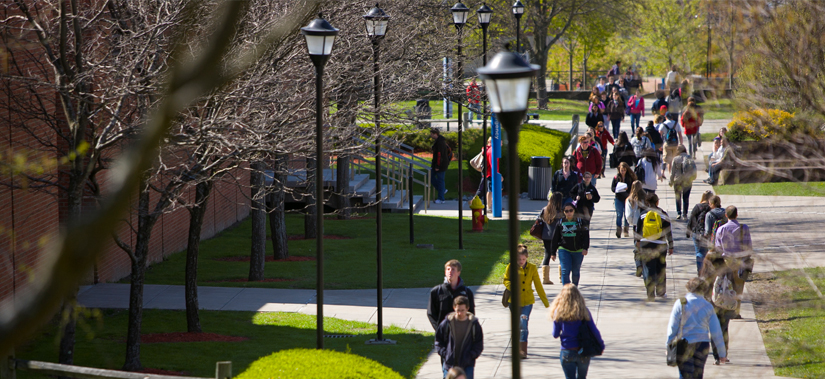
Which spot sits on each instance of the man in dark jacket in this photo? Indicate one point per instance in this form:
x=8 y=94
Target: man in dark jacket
x=585 y=195
x=655 y=243
x=442 y=295
x=660 y=101
x=441 y=161
x=459 y=339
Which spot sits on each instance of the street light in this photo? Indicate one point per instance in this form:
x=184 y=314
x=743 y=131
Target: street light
x=376 y=22
x=460 y=12
x=484 y=15
x=320 y=36
x=507 y=78
x=518 y=10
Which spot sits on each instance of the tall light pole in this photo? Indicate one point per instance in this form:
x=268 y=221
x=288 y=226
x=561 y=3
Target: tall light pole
x=507 y=78
x=320 y=36
x=518 y=10
x=707 y=67
x=484 y=15
x=460 y=12
x=376 y=23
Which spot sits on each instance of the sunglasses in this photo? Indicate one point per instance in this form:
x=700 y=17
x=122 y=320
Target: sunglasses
x=568 y=211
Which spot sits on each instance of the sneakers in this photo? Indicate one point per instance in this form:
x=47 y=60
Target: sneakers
x=439 y=201
x=679 y=217
x=716 y=362
x=664 y=296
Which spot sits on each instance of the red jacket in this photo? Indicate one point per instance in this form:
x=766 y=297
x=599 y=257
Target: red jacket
x=692 y=122
x=592 y=163
x=604 y=138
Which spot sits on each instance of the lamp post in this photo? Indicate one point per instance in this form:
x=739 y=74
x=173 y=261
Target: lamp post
x=320 y=36
x=507 y=78
x=518 y=10
x=460 y=12
x=484 y=15
x=376 y=25
x=707 y=63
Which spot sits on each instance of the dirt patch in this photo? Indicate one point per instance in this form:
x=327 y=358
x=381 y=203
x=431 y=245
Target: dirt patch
x=268 y=280
x=269 y=258
x=295 y=237
x=187 y=337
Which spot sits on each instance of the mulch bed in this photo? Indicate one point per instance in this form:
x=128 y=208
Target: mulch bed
x=269 y=258
x=186 y=337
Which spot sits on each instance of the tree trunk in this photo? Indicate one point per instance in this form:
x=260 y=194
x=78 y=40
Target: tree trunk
x=74 y=196
x=342 y=184
x=137 y=278
x=570 y=85
x=275 y=208
x=311 y=212
x=258 y=214
x=541 y=80
x=196 y=213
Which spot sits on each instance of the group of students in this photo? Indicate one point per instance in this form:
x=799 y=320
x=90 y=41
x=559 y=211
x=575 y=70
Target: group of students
x=459 y=338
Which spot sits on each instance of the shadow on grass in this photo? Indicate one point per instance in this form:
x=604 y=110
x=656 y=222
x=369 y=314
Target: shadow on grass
x=101 y=343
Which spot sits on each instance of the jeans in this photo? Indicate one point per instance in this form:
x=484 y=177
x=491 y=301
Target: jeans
x=574 y=365
x=525 y=318
x=724 y=317
x=438 y=183
x=694 y=367
x=617 y=125
x=654 y=258
x=619 y=204
x=682 y=199
x=701 y=250
x=693 y=143
x=570 y=261
x=468 y=371
x=635 y=118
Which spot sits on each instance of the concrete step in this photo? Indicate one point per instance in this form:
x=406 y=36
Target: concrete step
x=357 y=181
x=418 y=202
x=366 y=190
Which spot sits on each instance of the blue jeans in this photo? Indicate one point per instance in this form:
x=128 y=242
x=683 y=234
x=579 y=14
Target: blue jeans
x=438 y=183
x=525 y=318
x=619 y=204
x=713 y=173
x=570 y=261
x=701 y=250
x=635 y=118
x=654 y=258
x=694 y=367
x=693 y=144
x=468 y=372
x=617 y=125
x=574 y=365
x=682 y=195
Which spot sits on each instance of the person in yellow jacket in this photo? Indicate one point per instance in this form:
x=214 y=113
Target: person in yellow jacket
x=529 y=275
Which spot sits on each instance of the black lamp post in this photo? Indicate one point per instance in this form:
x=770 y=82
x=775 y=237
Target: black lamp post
x=376 y=22
x=460 y=12
x=507 y=78
x=518 y=10
x=484 y=15
x=320 y=36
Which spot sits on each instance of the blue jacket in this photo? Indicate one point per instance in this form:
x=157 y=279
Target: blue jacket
x=569 y=332
x=701 y=320
x=473 y=343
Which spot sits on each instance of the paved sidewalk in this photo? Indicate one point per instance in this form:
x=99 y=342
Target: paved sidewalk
x=634 y=331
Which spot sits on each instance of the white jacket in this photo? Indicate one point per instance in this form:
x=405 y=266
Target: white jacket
x=652 y=175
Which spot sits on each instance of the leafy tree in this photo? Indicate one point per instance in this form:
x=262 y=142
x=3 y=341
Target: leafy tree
x=667 y=32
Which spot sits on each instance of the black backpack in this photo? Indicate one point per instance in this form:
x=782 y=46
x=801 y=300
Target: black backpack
x=654 y=136
x=699 y=228
x=639 y=171
x=593 y=118
x=671 y=136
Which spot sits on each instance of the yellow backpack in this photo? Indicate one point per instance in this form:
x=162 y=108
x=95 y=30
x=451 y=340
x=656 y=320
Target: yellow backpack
x=652 y=226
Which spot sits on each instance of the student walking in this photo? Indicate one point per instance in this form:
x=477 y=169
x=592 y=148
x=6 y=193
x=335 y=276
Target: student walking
x=696 y=228
x=459 y=339
x=624 y=151
x=692 y=119
x=442 y=295
x=635 y=206
x=528 y=275
x=569 y=313
x=655 y=244
x=550 y=215
x=441 y=161
x=621 y=187
x=650 y=166
x=733 y=241
x=602 y=138
x=616 y=112
x=654 y=136
x=717 y=269
x=636 y=103
x=682 y=176
x=586 y=196
x=640 y=142
x=571 y=239
x=671 y=133
x=587 y=158
x=693 y=319
x=564 y=180
x=660 y=102
x=715 y=218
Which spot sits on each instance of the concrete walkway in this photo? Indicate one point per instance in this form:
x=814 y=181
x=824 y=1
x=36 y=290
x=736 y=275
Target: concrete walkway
x=634 y=331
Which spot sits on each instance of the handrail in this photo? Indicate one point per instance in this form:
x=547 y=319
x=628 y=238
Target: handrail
x=57 y=369
x=574 y=134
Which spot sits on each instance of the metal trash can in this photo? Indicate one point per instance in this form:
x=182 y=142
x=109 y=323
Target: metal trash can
x=539 y=176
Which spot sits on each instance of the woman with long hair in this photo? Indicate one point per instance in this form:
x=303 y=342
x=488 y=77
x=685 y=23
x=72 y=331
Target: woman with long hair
x=587 y=157
x=529 y=277
x=640 y=142
x=550 y=214
x=692 y=118
x=623 y=150
x=696 y=228
x=634 y=205
x=652 y=166
x=602 y=138
x=564 y=180
x=700 y=327
x=625 y=176
x=572 y=239
x=569 y=313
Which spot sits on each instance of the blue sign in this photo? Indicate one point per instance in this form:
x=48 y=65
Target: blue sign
x=495 y=133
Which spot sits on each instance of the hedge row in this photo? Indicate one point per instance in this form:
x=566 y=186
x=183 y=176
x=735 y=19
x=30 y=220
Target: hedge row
x=312 y=363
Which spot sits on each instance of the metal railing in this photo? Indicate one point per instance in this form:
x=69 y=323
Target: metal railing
x=223 y=370
x=399 y=164
x=574 y=134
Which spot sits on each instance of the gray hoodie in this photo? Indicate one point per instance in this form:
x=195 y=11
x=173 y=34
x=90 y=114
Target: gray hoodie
x=711 y=217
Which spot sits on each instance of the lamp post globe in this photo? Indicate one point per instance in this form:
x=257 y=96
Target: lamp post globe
x=518 y=9
x=507 y=78
x=460 y=12
x=376 y=22
x=319 y=36
x=484 y=15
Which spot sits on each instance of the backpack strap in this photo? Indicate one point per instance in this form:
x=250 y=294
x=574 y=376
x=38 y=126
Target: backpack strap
x=683 y=300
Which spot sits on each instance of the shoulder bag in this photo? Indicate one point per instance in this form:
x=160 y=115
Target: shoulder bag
x=677 y=349
x=537 y=228
x=478 y=161
x=588 y=344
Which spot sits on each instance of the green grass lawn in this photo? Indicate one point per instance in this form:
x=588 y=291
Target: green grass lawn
x=791 y=315
x=559 y=109
x=350 y=263
x=773 y=189
x=100 y=342
x=719 y=109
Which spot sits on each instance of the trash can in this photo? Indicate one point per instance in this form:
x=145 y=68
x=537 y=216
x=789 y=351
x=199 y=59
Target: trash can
x=539 y=176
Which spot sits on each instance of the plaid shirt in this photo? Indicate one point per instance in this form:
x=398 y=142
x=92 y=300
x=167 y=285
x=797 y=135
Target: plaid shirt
x=733 y=238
